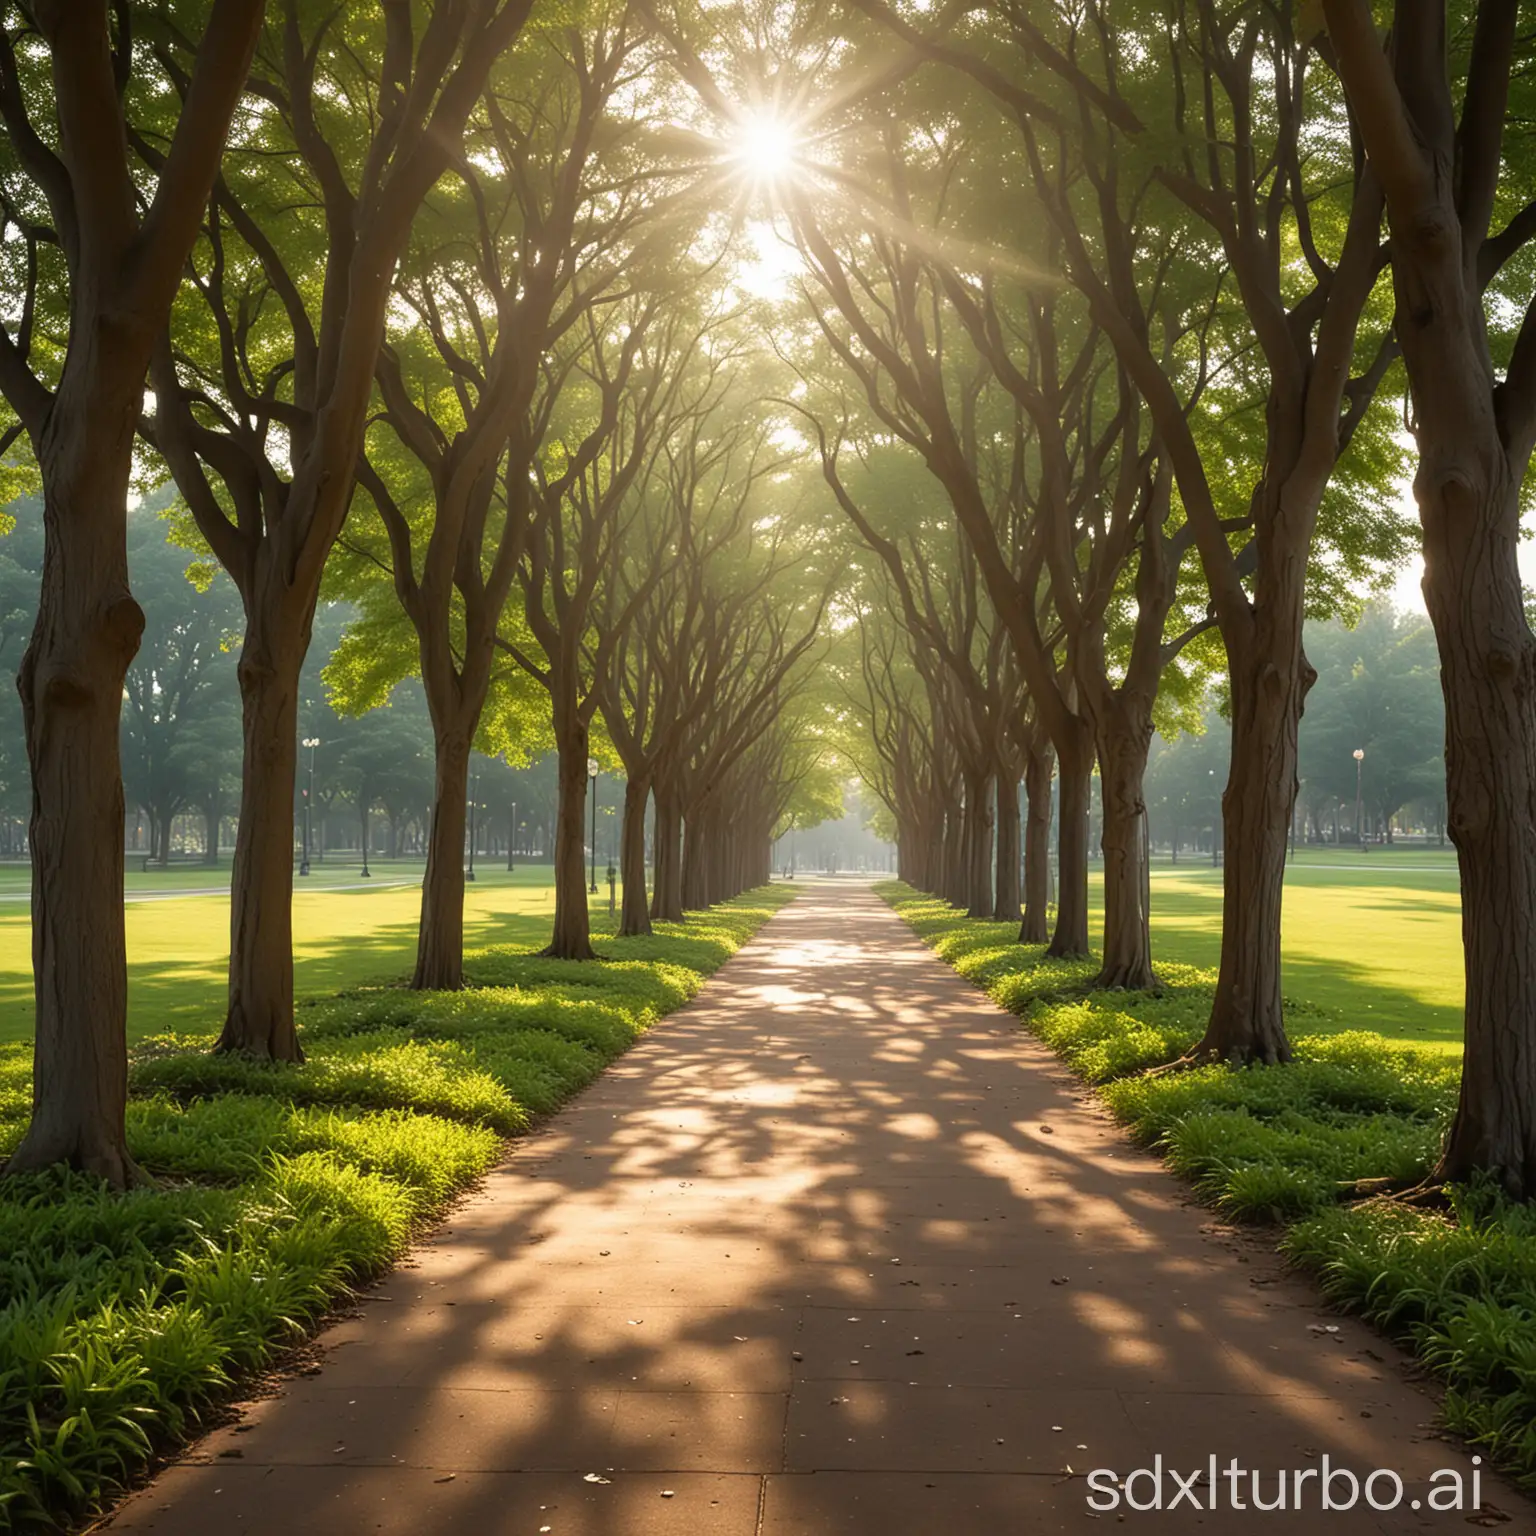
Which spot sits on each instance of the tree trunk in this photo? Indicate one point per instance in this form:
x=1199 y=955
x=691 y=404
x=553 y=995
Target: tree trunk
x=1269 y=687
x=634 y=914
x=260 y=1018
x=1124 y=740
x=1470 y=507
x=952 y=886
x=71 y=683
x=572 y=936
x=213 y=814
x=1038 y=770
x=699 y=834
x=440 y=942
x=1070 y=938
x=978 y=845
x=1006 y=906
x=667 y=898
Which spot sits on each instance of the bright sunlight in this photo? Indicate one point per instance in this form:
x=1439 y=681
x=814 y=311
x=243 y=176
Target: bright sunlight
x=765 y=147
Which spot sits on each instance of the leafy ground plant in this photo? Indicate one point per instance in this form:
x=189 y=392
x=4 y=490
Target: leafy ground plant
x=1299 y=1145
x=122 y=1317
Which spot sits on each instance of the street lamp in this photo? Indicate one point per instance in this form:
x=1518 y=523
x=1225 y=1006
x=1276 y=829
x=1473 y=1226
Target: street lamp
x=474 y=789
x=1359 y=820
x=592 y=779
x=309 y=799
x=512 y=838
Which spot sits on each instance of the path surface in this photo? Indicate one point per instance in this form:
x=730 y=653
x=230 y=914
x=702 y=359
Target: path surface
x=836 y=1249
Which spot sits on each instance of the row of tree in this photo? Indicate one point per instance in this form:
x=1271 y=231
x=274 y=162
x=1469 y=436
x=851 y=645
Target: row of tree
x=1099 y=323
x=435 y=274
x=181 y=737
x=1109 y=313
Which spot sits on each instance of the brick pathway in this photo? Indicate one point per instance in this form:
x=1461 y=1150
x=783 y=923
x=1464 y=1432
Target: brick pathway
x=836 y=1249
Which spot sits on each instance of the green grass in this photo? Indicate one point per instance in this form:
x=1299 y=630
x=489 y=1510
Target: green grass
x=1292 y=1145
x=123 y=1317
x=347 y=933
x=1373 y=937
x=1351 y=920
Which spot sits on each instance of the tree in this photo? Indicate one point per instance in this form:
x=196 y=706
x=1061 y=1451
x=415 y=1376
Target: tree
x=1459 y=207
x=705 y=512
x=92 y=254
x=497 y=280
x=647 y=373
x=262 y=391
x=1111 y=111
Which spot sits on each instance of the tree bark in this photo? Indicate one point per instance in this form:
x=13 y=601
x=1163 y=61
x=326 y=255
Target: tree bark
x=440 y=942
x=572 y=936
x=260 y=1020
x=1075 y=759
x=978 y=845
x=71 y=683
x=1472 y=586
x=952 y=885
x=634 y=914
x=1124 y=740
x=1269 y=687
x=1006 y=907
x=667 y=898
x=1035 y=925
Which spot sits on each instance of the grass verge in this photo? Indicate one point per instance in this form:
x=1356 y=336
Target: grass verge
x=123 y=1317
x=1289 y=1145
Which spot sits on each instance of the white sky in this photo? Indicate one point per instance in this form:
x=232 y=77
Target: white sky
x=1405 y=590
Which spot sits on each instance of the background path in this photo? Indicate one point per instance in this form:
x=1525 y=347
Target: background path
x=835 y=1249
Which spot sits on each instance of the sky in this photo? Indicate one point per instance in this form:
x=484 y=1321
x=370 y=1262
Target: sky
x=1405 y=590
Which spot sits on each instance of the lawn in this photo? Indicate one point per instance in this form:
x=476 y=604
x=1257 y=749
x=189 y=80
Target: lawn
x=1375 y=936
x=346 y=932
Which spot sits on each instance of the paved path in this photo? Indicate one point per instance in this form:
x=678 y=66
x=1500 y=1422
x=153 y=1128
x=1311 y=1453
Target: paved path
x=836 y=1249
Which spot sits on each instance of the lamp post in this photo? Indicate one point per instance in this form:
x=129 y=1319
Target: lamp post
x=1359 y=821
x=367 y=873
x=309 y=799
x=512 y=838
x=592 y=781
x=474 y=789
x=1215 y=826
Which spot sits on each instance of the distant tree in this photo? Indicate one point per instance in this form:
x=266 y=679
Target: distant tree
x=181 y=715
x=383 y=757
x=21 y=566
x=1377 y=691
x=1185 y=776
